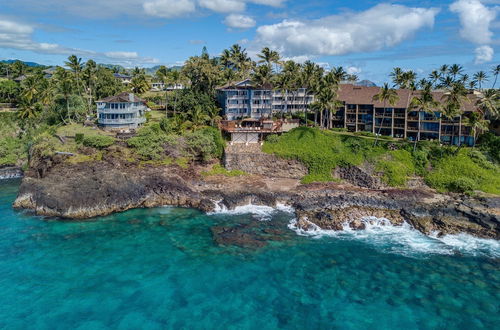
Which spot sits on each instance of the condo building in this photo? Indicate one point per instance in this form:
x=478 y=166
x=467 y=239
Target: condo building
x=359 y=113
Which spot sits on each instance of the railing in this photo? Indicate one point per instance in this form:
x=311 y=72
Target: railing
x=413 y=118
x=125 y=110
x=399 y=115
x=122 y=121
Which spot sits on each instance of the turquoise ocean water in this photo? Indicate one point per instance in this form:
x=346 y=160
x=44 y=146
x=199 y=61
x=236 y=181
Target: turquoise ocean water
x=162 y=269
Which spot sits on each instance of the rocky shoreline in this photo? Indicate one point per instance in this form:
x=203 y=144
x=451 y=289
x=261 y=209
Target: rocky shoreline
x=10 y=172
x=88 y=190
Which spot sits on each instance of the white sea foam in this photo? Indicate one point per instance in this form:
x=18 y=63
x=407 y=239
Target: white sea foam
x=261 y=212
x=405 y=239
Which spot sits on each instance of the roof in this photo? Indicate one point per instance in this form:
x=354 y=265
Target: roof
x=123 y=76
x=122 y=98
x=352 y=94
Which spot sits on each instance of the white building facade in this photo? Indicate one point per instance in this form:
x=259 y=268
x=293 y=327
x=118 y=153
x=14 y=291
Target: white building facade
x=123 y=111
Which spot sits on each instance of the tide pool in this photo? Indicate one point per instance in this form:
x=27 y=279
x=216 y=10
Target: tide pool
x=168 y=268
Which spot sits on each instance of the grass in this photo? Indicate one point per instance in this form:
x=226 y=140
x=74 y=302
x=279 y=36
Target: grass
x=221 y=170
x=465 y=172
x=322 y=151
x=396 y=167
x=72 y=129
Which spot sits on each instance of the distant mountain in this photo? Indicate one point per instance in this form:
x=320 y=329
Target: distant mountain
x=31 y=64
x=366 y=83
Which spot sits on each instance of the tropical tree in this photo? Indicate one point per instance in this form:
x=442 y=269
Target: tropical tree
x=263 y=77
x=426 y=103
x=477 y=124
x=268 y=57
x=28 y=110
x=326 y=100
x=488 y=103
x=386 y=95
x=74 y=63
x=454 y=98
x=480 y=77
x=90 y=77
x=455 y=70
x=310 y=78
x=495 y=72
x=140 y=84
x=163 y=75
x=434 y=77
x=65 y=88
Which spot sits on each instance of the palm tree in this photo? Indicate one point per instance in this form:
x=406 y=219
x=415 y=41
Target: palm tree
x=455 y=70
x=386 y=95
x=90 y=77
x=176 y=78
x=268 y=57
x=339 y=74
x=495 y=72
x=477 y=124
x=198 y=117
x=396 y=76
x=326 y=100
x=30 y=88
x=444 y=69
x=65 y=87
x=480 y=77
x=310 y=76
x=434 y=77
x=262 y=76
x=446 y=82
x=163 y=75
x=426 y=103
x=74 y=63
x=28 y=110
x=140 y=84
x=488 y=103
x=455 y=97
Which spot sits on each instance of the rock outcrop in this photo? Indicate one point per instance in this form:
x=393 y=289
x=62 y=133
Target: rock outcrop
x=251 y=159
x=99 y=188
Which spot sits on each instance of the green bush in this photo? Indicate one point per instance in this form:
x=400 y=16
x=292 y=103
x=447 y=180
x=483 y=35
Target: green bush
x=320 y=151
x=490 y=144
x=454 y=173
x=150 y=142
x=11 y=150
x=396 y=167
x=342 y=130
x=273 y=138
x=201 y=145
x=79 y=137
x=462 y=185
x=220 y=143
x=98 y=141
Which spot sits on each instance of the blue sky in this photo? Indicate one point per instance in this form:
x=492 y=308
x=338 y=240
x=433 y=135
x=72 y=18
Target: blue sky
x=367 y=37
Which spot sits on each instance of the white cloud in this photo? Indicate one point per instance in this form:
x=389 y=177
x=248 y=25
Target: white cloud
x=169 y=8
x=376 y=28
x=484 y=54
x=238 y=21
x=353 y=70
x=17 y=35
x=475 y=19
x=223 y=6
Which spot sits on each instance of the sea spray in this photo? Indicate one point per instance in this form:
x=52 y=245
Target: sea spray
x=403 y=239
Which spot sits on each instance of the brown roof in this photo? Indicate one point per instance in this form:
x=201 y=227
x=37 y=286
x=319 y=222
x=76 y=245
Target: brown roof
x=352 y=94
x=122 y=98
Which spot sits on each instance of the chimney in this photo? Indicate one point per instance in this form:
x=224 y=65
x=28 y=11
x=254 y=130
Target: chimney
x=131 y=97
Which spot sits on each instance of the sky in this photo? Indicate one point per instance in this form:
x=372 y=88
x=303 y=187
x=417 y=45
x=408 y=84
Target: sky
x=366 y=37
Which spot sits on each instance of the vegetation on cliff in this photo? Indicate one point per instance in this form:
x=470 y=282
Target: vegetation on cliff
x=444 y=168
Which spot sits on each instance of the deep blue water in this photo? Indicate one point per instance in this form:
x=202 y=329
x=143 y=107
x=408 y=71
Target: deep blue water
x=161 y=268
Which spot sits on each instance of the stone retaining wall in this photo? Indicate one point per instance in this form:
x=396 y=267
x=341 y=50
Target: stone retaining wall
x=251 y=159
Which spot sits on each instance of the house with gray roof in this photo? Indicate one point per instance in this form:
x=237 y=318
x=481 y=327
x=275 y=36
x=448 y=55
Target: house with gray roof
x=122 y=111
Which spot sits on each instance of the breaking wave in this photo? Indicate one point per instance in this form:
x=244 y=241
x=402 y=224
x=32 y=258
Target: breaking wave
x=404 y=239
x=261 y=212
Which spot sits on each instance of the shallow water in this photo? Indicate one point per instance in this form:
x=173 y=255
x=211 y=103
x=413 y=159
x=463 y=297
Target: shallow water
x=161 y=268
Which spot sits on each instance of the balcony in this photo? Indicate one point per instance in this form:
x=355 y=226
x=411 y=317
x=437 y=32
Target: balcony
x=130 y=121
x=131 y=109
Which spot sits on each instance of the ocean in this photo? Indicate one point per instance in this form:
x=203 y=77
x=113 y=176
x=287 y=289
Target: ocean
x=251 y=268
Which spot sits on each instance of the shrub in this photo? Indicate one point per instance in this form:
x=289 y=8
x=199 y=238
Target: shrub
x=216 y=135
x=462 y=185
x=449 y=172
x=396 y=167
x=202 y=146
x=150 y=142
x=342 y=130
x=79 y=137
x=273 y=138
x=98 y=141
x=490 y=144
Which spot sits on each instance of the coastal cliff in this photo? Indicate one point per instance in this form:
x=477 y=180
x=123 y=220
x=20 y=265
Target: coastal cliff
x=85 y=190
